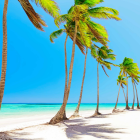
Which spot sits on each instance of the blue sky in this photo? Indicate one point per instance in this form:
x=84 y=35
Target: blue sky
x=35 y=70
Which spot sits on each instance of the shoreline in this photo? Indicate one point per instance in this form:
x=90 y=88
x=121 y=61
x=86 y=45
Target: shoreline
x=20 y=122
x=121 y=125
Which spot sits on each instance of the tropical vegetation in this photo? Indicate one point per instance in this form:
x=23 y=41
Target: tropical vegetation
x=128 y=68
x=101 y=55
x=80 y=16
x=121 y=81
x=79 y=26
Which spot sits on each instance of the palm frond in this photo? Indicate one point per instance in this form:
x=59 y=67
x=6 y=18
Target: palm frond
x=105 y=63
x=83 y=32
x=104 y=9
x=111 y=56
x=93 y=51
x=103 y=15
x=104 y=52
x=62 y=19
x=50 y=6
x=121 y=80
x=94 y=39
x=32 y=15
x=70 y=31
x=98 y=31
x=56 y=34
x=79 y=42
x=104 y=70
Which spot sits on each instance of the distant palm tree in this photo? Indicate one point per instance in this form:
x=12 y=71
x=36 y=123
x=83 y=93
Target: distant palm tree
x=121 y=81
x=128 y=68
x=133 y=93
x=138 y=107
x=135 y=78
x=101 y=55
x=80 y=14
x=48 y=5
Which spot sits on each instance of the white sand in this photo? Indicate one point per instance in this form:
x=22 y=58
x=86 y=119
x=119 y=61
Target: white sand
x=123 y=126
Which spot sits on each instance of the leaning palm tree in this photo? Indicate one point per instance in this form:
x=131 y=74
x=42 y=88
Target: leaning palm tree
x=76 y=112
x=81 y=14
x=48 y=5
x=80 y=44
x=69 y=33
x=121 y=81
x=128 y=69
x=101 y=55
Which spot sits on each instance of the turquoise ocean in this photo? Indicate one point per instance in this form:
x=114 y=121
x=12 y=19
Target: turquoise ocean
x=19 y=110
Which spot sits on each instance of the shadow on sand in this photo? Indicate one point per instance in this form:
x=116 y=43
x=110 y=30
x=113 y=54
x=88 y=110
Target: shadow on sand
x=75 y=129
x=78 y=127
x=15 y=136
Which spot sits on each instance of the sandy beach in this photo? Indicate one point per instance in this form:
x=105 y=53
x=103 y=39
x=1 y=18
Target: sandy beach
x=123 y=125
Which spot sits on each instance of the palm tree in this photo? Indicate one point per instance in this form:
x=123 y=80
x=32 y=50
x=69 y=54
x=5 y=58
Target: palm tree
x=101 y=55
x=94 y=13
x=138 y=107
x=69 y=33
x=48 y=5
x=134 y=88
x=80 y=14
x=133 y=93
x=128 y=68
x=121 y=81
x=76 y=112
x=4 y=51
x=135 y=78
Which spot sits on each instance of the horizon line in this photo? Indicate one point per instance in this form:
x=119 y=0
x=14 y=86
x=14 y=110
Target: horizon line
x=61 y=103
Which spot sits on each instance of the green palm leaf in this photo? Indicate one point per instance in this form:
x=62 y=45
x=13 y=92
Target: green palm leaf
x=56 y=34
x=63 y=19
x=98 y=32
x=49 y=6
x=121 y=80
x=93 y=51
x=83 y=28
x=104 y=15
x=104 y=9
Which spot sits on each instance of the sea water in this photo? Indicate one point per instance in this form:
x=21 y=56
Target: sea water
x=28 y=109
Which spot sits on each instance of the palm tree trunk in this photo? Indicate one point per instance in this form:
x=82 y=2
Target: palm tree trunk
x=76 y=113
x=137 y=97
x=117 y=98
x=66 y=73
x=59 y=116
x=127 y=107
x=124 y=94
x=97 y=108
x=133 y=97
x=4 y=52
